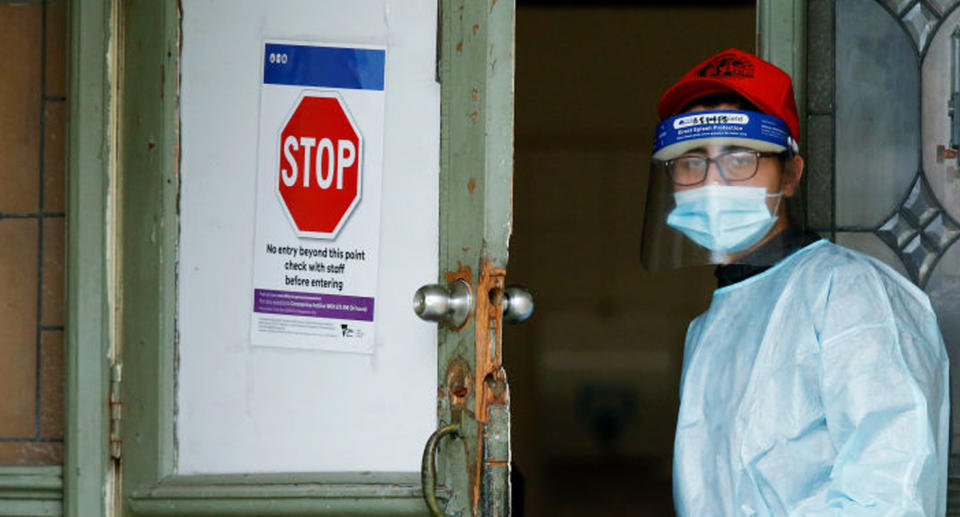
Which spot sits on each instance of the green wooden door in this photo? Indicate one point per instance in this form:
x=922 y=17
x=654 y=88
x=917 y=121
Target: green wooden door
x=475 y=71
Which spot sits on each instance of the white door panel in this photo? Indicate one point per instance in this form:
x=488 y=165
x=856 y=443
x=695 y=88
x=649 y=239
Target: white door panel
x=245 y=408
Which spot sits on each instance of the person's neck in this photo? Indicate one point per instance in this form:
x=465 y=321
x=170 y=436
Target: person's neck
x=780 y=244
x=778 y=227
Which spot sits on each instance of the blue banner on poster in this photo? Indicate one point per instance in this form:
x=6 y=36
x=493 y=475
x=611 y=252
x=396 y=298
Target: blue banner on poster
x=328 y=67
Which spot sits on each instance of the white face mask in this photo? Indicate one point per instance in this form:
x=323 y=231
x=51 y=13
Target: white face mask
x=723 y=218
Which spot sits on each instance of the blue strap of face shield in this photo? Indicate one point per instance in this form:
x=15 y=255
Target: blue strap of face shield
x=722 y=124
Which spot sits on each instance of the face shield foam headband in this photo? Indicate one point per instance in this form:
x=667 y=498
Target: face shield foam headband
x=750 y=129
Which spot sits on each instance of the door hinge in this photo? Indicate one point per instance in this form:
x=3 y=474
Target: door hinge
x=116 y=410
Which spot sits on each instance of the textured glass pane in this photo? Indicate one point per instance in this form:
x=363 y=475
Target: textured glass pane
x=32 y=132
x=18 y=328
x=873 y=246
x=943 y=5
x=877 y=121
x=21 y=37
x=920 y=21
x=944 y=290
x=943 y=176
x=898 y=6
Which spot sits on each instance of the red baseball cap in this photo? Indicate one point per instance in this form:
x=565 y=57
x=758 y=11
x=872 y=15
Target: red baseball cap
x=735 y=71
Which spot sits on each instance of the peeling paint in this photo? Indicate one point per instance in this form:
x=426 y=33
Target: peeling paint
x=496 y=386
x=471 y=185
x=488 y=316
x=476 y=95
x=476 y=28
x=460 y=47
x=459 y=382
x=475 y=116
x=491 y=385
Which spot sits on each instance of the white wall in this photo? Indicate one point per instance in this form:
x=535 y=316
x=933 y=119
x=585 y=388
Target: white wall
x=242 y=408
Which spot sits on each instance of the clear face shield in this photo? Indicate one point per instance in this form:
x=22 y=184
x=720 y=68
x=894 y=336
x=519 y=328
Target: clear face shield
x=714 y=188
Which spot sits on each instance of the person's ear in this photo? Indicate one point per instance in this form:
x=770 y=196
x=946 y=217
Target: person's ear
x=792 y=172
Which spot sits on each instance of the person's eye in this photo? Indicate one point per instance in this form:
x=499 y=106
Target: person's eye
x=740 y=159
x=691 y=162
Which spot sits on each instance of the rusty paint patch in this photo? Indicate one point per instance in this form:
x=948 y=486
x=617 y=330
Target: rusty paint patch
x=462 y=273
x=459 y=382
x=474 y=116
x=465 y=250
x=475 y=95
x=471 y=185
x=460 y=47
x=496 y=392
x=491 y=385
x=489 y=317
x=476 y=28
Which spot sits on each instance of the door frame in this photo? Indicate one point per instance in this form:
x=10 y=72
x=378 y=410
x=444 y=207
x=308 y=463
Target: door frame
x=123 y=159
x=87 y=470
x=782 y=40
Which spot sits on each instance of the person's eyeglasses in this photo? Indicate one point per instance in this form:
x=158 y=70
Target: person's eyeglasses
x=739 y=165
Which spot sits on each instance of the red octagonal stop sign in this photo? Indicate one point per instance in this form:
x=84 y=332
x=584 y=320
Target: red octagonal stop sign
x=320 y=165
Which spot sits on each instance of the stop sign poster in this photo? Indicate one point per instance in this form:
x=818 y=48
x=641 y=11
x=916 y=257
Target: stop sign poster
x=318 y=196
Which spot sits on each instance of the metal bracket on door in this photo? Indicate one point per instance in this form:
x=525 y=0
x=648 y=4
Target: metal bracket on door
x=428 y=466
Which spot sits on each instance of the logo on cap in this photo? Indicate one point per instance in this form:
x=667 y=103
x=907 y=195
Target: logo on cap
x=727 y=65
x=711 y=118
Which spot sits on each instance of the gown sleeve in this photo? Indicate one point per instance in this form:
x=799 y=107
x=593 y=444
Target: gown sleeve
x=883 y=381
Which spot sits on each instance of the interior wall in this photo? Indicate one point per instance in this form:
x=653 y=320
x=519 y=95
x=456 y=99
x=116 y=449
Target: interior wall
x=595 y=373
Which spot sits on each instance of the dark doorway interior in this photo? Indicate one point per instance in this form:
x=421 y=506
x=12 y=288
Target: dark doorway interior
x=594 y=374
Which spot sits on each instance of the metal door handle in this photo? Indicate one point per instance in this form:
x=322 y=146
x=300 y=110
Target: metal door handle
x=517 y=304
x=428 y=472
x=450 y=304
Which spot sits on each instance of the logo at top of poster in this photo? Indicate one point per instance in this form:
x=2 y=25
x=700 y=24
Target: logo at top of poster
x=318 y=181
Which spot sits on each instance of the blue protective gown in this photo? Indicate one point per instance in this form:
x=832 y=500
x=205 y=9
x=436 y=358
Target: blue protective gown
x=816 y=388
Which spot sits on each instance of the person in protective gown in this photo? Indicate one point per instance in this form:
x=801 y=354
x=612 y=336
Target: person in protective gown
x=816 y=383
